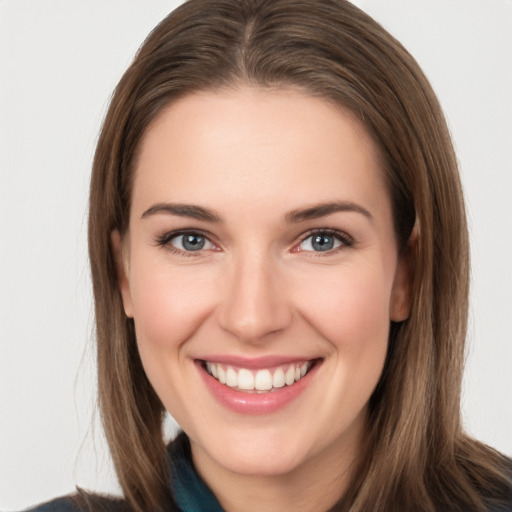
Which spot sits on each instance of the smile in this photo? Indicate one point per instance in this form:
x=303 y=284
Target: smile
x=263 y=380
x=257 y=386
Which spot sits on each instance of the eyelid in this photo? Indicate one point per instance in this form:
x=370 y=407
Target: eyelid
x=165 y=239
x=345 y=239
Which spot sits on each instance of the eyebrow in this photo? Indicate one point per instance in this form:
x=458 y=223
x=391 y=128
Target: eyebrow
x=292 y=217
x=183 y=210
x=324 y=209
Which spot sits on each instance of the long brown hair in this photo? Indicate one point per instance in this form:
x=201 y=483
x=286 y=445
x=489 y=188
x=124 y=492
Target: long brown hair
x=417 y=456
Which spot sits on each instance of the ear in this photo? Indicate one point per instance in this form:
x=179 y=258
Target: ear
x=400 y=305
x=123 y=271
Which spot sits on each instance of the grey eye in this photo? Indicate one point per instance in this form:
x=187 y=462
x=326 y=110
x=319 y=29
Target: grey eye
x=320 y=242
x=191 y=242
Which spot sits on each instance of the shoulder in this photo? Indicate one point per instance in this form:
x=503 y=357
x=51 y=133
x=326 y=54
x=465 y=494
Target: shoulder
x=82 y=502
x=58 y=505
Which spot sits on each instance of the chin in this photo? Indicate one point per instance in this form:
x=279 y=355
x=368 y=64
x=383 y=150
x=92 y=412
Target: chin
x=258 y=453
x=261 y=464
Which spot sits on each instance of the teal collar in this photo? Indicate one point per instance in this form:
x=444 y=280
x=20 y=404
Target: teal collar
x=190 y=492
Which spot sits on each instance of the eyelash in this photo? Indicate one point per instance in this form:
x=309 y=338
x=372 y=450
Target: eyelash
x=165 y=241
x=346 y=241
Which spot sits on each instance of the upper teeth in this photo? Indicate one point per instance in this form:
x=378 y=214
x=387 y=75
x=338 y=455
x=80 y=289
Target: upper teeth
x=259 y=380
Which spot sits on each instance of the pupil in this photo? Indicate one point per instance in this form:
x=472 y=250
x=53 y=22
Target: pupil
x=323 y=242
x=193 y=242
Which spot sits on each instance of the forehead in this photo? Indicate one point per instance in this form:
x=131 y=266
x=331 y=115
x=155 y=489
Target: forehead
x=249 y=143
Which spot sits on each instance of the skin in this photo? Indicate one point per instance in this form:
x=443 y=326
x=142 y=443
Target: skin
x=259 y=289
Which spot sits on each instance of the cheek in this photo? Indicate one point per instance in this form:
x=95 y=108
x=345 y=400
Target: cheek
x=168 y=308
x=350 y=308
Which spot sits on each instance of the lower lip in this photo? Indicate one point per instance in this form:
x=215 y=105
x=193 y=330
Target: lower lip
x=256 y=403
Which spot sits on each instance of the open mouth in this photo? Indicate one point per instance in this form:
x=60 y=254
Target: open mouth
x=264 y=380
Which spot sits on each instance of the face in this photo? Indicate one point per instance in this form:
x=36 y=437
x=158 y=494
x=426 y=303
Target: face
x=261 y=270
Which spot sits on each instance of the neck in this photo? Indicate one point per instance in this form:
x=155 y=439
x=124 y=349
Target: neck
x=313 y=485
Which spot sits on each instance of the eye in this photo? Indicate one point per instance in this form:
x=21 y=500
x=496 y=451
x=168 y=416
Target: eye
x=323 y=241
x=186 y=242
x=190 y=242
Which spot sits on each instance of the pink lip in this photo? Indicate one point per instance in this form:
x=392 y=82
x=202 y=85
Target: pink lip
x=254 y=403
x=254 y=363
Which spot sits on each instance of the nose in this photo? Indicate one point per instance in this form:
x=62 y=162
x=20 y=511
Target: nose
x=254 y=303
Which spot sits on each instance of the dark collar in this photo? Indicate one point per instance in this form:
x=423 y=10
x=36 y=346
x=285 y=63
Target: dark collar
x=190 y=492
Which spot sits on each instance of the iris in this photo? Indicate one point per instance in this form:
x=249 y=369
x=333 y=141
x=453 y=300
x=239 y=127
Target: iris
x=193 y=242
x=322 y=242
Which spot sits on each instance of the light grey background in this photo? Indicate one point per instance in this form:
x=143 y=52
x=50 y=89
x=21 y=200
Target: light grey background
x=59 y=61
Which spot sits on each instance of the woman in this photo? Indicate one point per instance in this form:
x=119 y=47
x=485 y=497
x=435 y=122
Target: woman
x=279 y=257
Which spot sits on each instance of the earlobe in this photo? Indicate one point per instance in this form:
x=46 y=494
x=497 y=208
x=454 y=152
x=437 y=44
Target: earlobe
x=401 y=296
x=122 y=267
